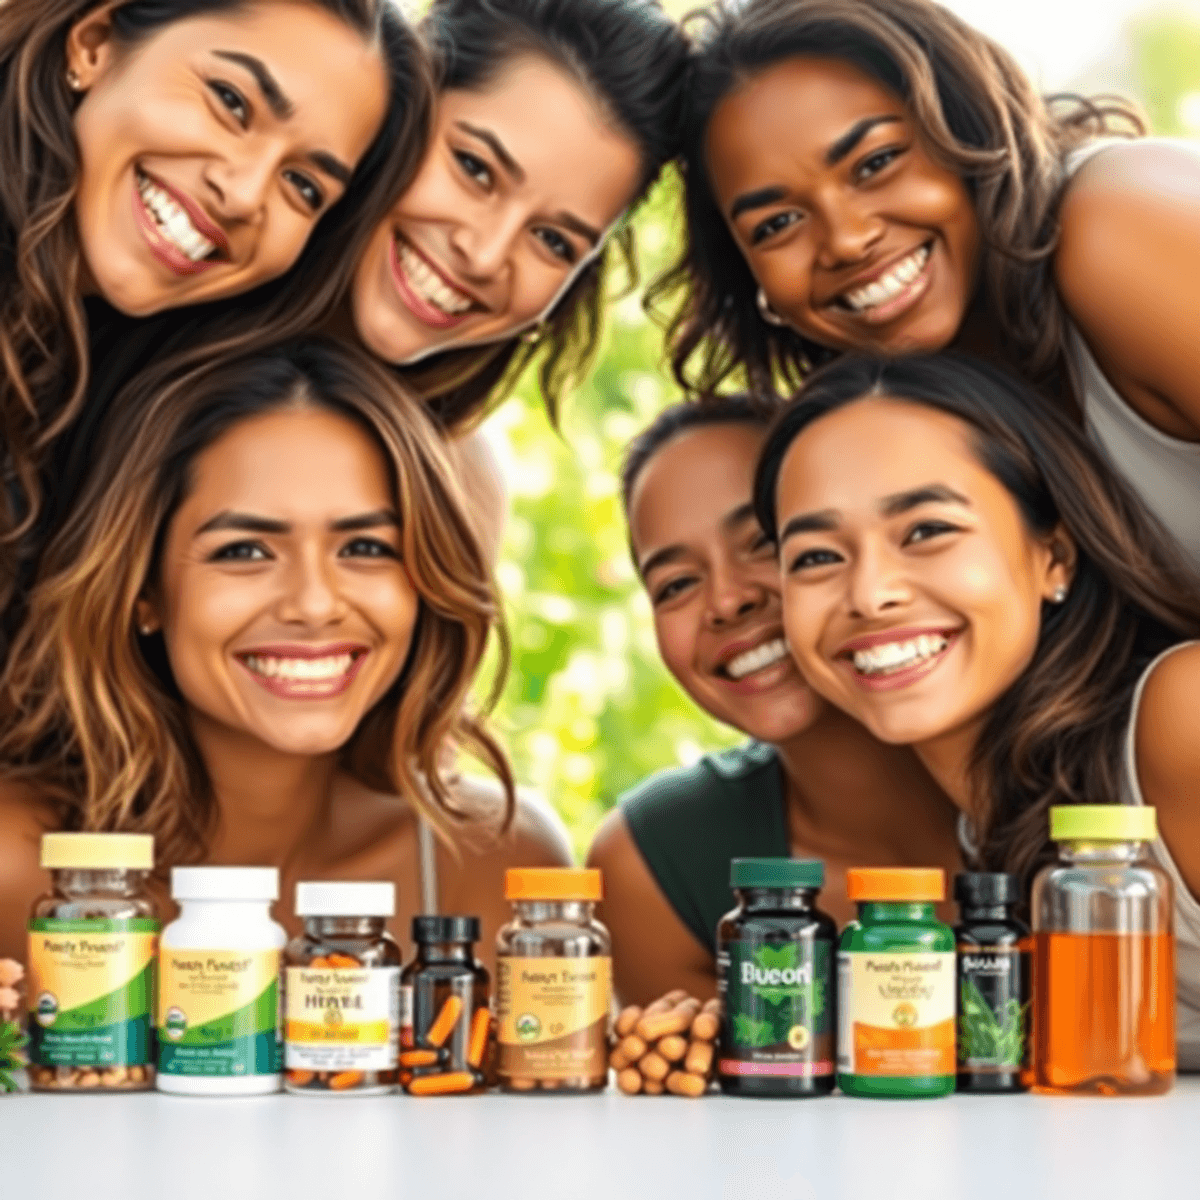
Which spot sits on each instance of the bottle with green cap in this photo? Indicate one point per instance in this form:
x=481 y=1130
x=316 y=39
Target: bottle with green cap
x=1104 y=967
x=775 y=957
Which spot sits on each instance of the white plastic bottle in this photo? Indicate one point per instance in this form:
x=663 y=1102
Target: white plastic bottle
x=218 y=990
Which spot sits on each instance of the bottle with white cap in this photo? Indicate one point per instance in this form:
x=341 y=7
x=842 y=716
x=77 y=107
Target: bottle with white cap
x=218 y=1000
x=342 y=992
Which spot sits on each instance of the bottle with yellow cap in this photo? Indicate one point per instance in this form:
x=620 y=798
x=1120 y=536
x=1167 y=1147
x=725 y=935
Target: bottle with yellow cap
x=1104 y=957
x=553 y=983
x=92 y=945
x=896 y=986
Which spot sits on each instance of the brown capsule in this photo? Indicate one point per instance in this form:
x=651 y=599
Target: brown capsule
x=676 y=1020
x=684 y=1083
x=653 y=1066
x=343 y=1081
x=630 y=1081
x=705 y=1027
x=652 y=1087
x=633 y=1047
x=627 y=1018
x=699 y=1058
x=299 y=1078
x=619 y=1060
x=672 y=1047
x=88 y=1079
x=519 y=1084
x=137 y=1074
x=551 y=1085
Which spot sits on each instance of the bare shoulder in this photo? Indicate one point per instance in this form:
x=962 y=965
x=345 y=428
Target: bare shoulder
x=1168 y=719
x=24 y=817
x=653 y=950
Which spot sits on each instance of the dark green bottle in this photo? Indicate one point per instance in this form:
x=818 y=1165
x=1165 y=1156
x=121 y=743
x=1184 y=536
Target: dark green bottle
x=775 y=955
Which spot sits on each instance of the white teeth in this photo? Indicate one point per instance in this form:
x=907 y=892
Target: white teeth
x=891 y=285
x=756 y=659
x=173 y=221
x=429 y=285
x=894 y=656
x=301 y=669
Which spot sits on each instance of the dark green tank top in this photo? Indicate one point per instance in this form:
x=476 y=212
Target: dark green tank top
x=688 y=822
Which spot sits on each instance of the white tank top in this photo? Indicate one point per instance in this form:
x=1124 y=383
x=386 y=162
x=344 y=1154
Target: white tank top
x=1163 y=470
x=1187 y=909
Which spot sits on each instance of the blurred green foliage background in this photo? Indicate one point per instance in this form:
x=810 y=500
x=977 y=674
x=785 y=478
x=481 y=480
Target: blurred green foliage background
x=588 y=709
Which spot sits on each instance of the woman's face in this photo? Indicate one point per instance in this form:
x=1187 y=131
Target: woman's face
x=859 y=238
x=713 y=582
x=912 y=589
x=520 y=181
x=285 y=607
x=209 y=150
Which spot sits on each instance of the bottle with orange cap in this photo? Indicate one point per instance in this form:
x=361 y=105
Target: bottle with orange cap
x=896 y=986
x=553 y=983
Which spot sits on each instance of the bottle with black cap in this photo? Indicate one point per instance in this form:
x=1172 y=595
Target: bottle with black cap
x=444 y=1014
x=994 y=990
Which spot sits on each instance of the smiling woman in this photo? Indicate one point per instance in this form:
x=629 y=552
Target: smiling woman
x=883 y=178
x=155 y=155
x=982 y=587
x=253 y=668
x=553 y=119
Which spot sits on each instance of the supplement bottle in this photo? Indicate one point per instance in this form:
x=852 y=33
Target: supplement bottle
x=775 y=958
x=445 y=1020
x=92 y=946
x=218 y=1000
x=994 y=986
x=896 y=986
x=342 y=992
x=553 y=983
x=1104 y=966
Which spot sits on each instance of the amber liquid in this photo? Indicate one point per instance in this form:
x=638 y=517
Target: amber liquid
x=1104 y=1013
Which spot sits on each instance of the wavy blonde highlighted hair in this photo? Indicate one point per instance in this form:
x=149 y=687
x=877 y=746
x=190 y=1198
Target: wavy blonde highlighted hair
x=90 y=716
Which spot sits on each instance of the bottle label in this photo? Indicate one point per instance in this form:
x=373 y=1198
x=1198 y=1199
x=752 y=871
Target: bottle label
x=778 y=1008
x=406 y=1016
x=552 y=1017
x=994 y=991
x=218 y=1012
x=896 y=1015
x=91 y=991
x=342 y=1018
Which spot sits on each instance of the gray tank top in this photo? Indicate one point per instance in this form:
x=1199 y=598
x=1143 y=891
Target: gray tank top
x=1163 y=470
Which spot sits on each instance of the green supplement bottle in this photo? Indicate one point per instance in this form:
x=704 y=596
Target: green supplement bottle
x=775 y=977
x=995 y=983
x=896 y=986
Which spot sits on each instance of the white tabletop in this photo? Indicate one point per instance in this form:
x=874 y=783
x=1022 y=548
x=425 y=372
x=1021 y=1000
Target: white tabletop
x=609 y=1146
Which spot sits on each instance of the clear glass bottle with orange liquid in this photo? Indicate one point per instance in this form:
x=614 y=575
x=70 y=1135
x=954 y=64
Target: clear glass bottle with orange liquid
x=1104 y=966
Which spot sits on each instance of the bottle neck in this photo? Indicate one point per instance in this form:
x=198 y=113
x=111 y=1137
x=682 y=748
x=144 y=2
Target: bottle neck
x=986 y=912
x=895 y=910
x=1085 y=852
x=111 y=881
x=533 y=911
x=763 y=898
x=345 y=927
x=437 y=952
x=226 y=910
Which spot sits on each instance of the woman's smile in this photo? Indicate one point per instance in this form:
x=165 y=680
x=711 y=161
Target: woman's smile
x=305 y=672
x=426 y=289
x=897 y=658
x=178 y=231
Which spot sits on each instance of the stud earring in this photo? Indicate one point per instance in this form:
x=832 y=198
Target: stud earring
x=73 y=80
x=1060 y=594
x=531 y=337
x=765 y=310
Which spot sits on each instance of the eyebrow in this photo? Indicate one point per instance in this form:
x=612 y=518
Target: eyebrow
x=668 y=554
x=855 y=134
x=891 y=506
x=497 y=147
x=282 y=107
x=251 y=523
x=834 y=155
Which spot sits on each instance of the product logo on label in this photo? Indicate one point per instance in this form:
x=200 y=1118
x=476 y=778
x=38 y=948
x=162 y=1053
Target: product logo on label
x=47 y=1009
x=774 y=974
x=905 y=1014
x=527 y=1027
x=175 y=1024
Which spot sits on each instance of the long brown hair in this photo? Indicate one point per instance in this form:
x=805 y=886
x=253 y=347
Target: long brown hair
x=1056 y=736
x=43 y=333
x=979 y=115
x=89 y=713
